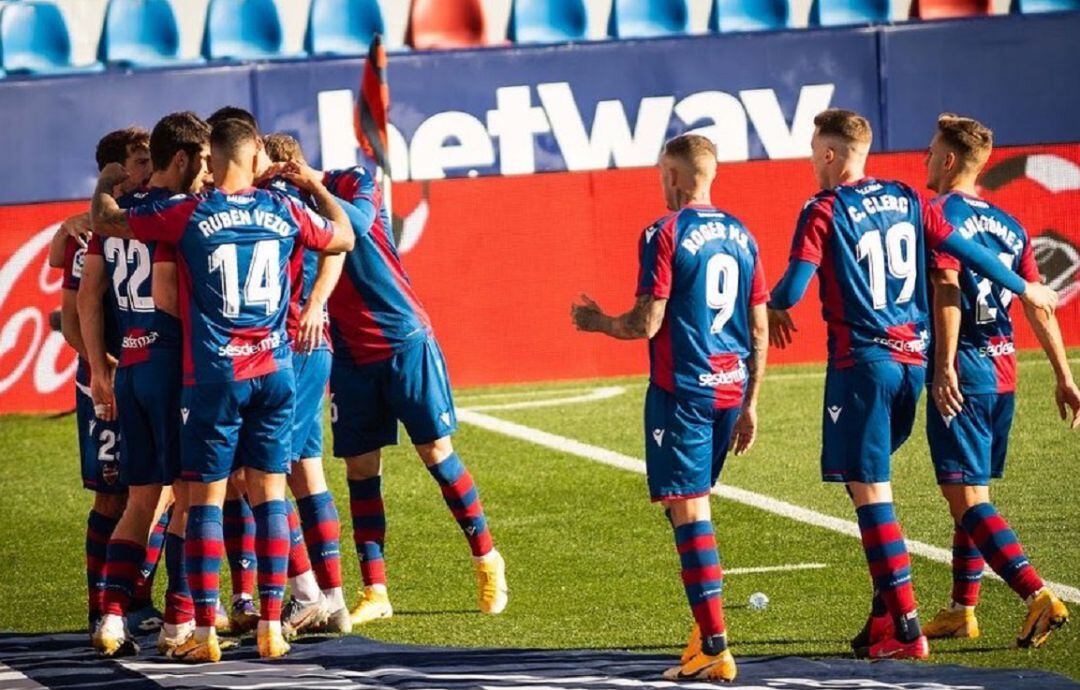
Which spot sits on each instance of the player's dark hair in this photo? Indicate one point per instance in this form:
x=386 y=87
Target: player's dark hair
x=227 y=136
x=115 y=147
x=970 y=139
x=233 y=112
x=283 y=148
x=184 y=131
x=846 y=125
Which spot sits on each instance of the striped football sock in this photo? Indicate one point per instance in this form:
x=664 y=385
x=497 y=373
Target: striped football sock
x=204 y=546
x=144 y=584
x=369 y=528
x=122 y=562
x=702 y=576
x=178 y=605
x=1001 y=549
x=890 y=566
x=463 y=500
x=967 y=568
x=99 y=529
x=239 y=530
x=322 y=532
x=272 y=552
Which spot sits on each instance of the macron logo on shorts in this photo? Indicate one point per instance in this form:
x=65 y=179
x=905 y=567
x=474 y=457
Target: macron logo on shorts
x=649 y=234
x=658 y=436
x=184 y=412
x=948 y=420
x=834 y=412
x=445 y=417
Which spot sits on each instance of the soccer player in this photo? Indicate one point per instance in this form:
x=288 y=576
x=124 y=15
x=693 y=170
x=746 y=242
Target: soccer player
x=866 y=239
x=98 y=439
x=233 y=247
x=701 y=304
x=974 y=381
x=147 y=381
x=387 y=366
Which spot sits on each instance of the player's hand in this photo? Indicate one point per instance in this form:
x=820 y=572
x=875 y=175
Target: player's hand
x=101 y=391
x=587 y=315
x=1040 y=296
x=112 y=175
x=946 y=392
x=311 y=328
x=780 y=328
x=745 y=433
x=1067 y=397
x=78 y=228
x=302 y=176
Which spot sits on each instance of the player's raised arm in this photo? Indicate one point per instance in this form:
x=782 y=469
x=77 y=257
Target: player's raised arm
x=307 y=180
x=807 y=247
x=107 y=216
x=92 y=327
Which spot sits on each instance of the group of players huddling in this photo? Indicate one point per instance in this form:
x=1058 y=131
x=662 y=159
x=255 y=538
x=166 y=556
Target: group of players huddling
x=898 y=274
x=225 y=284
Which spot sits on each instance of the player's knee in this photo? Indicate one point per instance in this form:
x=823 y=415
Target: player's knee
x=307 y=478
x=110 y=505
x=365 y=466
x=682 y=511
x=435 y=452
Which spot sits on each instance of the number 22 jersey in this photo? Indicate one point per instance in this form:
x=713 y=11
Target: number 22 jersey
x=235 y=253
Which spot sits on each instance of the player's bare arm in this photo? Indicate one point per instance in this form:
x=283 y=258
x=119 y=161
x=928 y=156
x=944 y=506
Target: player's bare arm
x=311 y=182
x=946 y=384
x=1066 y=394
x=746 y=428
x=108 y=218
x=313 y=315
x=92 y=289
x=642 y=321
x=78 y=228
x=69 y=321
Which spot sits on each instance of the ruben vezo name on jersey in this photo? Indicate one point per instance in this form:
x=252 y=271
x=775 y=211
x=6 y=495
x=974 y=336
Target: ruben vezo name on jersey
x=979 y=224
x=714 y=230
x=238 y=217
x=882 y=203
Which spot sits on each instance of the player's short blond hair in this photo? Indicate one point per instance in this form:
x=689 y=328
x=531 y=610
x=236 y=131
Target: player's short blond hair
x=694 y=150
x=971 y=140
x=283 y=148
x=846 y=125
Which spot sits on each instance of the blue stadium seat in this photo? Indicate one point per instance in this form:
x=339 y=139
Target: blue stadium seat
x=1038 y=6
x=749 y=15
x=547 y=21
x=140 y=33
x=342 y=27
x=242 y=30
x=648 y=18
x=34 y=39
x=842 y=12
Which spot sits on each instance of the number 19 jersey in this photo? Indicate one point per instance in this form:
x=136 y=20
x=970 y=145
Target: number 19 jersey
x=869 y=242
x=235 y=254
x=706 y=264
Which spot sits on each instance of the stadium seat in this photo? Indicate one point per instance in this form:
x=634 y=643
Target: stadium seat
x=1038 y=6
x=749 y=15
x=842 y=12
x=242 y=30
x=648 y=18
x=140 y=33
x=946 y=9
x=342 y=27
x=547 y=21
x=34 y=39
x=445 y=24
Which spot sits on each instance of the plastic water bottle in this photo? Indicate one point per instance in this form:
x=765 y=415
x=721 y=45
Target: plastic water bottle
x=758 y=601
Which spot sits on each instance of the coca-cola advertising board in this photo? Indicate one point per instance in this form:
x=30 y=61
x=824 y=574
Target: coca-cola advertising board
x=498 y=260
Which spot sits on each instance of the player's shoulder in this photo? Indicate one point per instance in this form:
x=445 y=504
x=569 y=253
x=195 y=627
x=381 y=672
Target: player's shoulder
x=664 y=221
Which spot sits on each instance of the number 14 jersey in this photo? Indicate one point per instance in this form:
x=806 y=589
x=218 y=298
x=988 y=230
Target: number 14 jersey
x=706 y=264
x=235 y=253
x=869 y=241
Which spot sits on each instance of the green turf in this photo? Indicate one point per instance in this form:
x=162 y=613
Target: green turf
x=591 y=561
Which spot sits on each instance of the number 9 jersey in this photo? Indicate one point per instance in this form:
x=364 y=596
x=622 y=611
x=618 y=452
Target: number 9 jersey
x=869 y=241
x=706 y=264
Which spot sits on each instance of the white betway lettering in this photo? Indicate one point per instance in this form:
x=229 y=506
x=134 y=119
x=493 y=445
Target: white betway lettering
x=456 y=140
x=270 y=342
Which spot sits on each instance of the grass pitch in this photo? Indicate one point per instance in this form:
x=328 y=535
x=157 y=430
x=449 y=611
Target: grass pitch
x=591 y=562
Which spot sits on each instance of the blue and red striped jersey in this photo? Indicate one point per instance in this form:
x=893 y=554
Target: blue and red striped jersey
x=74 y=258
x=705 y=263
x=986 y=353
x=374 y=311
x=235 y=253
x=869 y=241
x=129 y=265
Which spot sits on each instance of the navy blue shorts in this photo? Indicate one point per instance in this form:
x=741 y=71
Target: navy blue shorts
x=234 y=424
x=312 y=372
x=366 y=401
x=686 y=444
x=148 y=405
x=869 y=413
x=99 y=447
x=971 y=447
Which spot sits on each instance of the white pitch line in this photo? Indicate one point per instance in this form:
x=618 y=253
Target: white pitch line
x=536 y=392
x=594 y=395
x=769 y=504
x=774 y=568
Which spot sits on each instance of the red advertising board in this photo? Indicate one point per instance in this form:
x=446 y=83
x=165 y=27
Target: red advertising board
x=498 y=261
